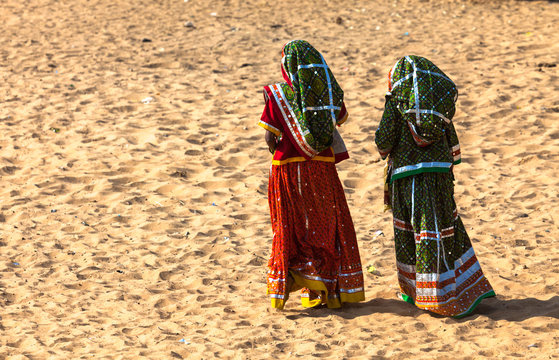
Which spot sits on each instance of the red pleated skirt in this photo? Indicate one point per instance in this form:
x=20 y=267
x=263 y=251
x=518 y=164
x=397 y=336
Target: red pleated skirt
x=314 y=245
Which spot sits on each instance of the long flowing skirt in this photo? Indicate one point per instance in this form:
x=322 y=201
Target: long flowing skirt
x=437 y=267
x=314 y=243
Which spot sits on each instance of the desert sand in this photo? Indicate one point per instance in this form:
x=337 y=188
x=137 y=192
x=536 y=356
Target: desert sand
x=133 y=213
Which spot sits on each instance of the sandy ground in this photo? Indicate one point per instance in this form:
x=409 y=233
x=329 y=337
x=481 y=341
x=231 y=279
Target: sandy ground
x=133 y=213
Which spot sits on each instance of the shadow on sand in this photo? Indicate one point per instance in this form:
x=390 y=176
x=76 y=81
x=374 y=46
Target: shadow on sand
x=494 y=308
x=518 y=309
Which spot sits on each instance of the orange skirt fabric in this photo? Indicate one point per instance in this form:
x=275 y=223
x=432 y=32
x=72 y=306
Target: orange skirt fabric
x=314 y=245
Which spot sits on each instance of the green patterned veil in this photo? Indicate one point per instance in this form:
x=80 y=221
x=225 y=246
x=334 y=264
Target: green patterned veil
x=426 y=97
x=313 y=95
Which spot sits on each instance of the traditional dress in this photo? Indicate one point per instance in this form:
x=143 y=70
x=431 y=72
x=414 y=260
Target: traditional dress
x=314 y=244
x=437 y=267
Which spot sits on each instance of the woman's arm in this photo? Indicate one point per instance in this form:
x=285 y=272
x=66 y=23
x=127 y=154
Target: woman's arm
x=385 y=135
x=271 y=140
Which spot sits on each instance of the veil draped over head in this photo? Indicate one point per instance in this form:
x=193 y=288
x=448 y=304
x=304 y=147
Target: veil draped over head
x=426 y=97
x=312 y=92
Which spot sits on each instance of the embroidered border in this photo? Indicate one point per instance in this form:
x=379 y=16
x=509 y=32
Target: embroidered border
x=419 y=168
x=291 y=121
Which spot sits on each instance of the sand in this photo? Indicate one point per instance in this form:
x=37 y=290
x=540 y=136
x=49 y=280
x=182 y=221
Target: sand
x=133 y=214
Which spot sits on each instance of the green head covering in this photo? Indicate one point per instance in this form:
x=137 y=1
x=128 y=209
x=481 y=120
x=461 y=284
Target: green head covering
x=312 y=92
x=426 y=97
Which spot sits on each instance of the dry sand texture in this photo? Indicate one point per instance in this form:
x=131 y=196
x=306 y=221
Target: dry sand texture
x=133 y=229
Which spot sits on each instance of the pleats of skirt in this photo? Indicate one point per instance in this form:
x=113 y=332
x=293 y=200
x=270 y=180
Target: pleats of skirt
x=437 y=267
x=314 y=245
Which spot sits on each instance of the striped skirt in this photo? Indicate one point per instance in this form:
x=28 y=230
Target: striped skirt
x=437 y=267
x=314 y=245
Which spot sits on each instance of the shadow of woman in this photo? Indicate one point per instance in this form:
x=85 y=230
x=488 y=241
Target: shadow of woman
x=518 y=309
x=367 y=308
x=494 y=308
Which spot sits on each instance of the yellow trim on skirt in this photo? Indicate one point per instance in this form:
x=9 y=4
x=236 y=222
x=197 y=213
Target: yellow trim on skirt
x=316 y=285
x=330 y=159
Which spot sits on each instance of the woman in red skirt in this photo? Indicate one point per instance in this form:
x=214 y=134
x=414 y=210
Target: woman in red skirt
x=314 y=245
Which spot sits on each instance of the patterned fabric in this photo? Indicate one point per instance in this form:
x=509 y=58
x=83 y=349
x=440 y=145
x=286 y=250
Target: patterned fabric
x=406 y=157
x=273 y=120
x=314 y=238
x=437 y=267
x=311 y=99
x=426 y=97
